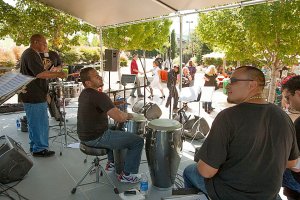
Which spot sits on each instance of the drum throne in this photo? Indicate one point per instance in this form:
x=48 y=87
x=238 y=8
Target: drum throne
x=97 y=152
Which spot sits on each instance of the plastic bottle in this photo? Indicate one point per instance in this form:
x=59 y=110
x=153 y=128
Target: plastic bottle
x=18 y=124
x=144 y=184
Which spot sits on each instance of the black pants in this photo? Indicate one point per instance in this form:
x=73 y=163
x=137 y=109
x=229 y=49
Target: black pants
x=207 y=106
x=172 y=93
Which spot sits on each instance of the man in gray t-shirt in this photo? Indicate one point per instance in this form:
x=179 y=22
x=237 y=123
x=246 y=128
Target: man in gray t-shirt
x=249 y=145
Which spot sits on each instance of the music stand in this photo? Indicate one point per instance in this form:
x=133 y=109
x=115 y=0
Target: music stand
x=12 y=83
x=127 y=78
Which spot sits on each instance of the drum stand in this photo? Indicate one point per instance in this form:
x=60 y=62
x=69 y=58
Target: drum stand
x=63 y=129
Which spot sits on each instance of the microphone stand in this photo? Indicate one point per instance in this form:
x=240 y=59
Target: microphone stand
x=146 y=81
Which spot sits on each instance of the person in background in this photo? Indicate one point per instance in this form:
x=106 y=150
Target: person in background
x=156 y=82
x=291 y=92
x=171 y=84
x=94 y=108
x=159 y=61
x=34 y=99
x=135 y=70
x=210 y=80
x=193 y=71
x=247 y=150
x=186 y=77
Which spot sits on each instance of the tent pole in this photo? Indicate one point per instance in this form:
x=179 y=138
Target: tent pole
x=180 y=57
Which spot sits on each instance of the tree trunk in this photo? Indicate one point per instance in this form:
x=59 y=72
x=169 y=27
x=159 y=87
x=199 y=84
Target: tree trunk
x=272 y=86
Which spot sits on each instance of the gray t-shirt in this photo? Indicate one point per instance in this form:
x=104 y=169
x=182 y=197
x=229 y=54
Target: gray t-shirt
x=92 y=119
x=31 y=64
x=250 y=145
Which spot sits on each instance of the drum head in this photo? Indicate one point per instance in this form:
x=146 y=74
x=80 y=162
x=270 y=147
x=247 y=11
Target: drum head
x=138 y=117
x=164 y=124
x=138 y=106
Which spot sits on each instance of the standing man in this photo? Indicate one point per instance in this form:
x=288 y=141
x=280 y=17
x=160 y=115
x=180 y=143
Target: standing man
x=34 y=99
x=171 y=84
x=291 y=92
x=92 y=126
x=135 y=70
x=247 y=149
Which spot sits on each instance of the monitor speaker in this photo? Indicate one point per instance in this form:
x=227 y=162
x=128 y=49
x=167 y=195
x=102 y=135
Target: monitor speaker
x=111 y=62
x=14 y=163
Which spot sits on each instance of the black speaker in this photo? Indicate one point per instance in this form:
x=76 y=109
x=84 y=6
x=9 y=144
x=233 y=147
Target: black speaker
x=112 y=60
x=14 y=163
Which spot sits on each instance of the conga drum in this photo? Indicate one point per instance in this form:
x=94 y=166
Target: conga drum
x=163 y=150
x=137 y=124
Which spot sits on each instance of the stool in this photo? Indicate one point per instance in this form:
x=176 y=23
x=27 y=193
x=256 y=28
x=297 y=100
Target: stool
x=94 y=151
x=291 y=194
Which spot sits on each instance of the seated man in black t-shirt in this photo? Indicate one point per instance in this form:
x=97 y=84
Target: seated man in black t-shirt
x=92 y=125
x=291 y=92
x=249 y=145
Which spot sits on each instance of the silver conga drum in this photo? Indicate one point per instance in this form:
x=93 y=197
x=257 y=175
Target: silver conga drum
x=137 y=124
x=163 y=150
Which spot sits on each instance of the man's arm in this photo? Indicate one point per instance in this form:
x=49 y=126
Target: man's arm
x=118 y=115
x=48 y=74
x=206 y=170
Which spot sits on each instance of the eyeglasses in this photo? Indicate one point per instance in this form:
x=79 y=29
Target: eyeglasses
x=234 y=80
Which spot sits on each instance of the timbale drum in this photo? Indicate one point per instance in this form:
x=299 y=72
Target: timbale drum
x=150 y=110
x=163 y=150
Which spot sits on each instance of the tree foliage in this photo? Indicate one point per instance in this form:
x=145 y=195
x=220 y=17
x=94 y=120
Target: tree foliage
x=146 y=36
x=173 y=44
x=266 y=33
x=30 y=17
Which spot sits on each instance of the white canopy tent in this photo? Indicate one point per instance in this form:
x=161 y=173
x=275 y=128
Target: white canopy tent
x=101 y=13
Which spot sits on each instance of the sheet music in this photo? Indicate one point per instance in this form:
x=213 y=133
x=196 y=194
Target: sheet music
x=11 y=83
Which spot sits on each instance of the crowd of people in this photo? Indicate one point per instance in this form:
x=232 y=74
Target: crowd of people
x=247 y=154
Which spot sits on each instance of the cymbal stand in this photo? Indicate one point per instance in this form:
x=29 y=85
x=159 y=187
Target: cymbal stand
x=63 y=127
x=146 y=81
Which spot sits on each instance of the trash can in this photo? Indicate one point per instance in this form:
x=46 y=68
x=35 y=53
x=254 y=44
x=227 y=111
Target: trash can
x=225 y=83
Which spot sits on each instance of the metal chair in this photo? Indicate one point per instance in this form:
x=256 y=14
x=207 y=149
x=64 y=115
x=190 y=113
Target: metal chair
x=97 y=152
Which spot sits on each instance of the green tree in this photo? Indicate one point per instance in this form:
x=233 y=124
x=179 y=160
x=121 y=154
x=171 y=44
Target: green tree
x=30 y=16
x=267 y=34
x=173 y=44
x=146 y=36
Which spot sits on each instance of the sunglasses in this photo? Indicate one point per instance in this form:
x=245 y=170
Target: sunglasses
x=234 y=80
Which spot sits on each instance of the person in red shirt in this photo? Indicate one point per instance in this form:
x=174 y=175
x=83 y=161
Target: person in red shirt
x=135 y=70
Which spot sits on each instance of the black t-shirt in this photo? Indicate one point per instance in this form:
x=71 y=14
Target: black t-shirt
x=250 y=145
x=51 y=59
x=31 y=64
x=211 y=81
x=92 y=119
x=172 y=78
x=297 y=126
